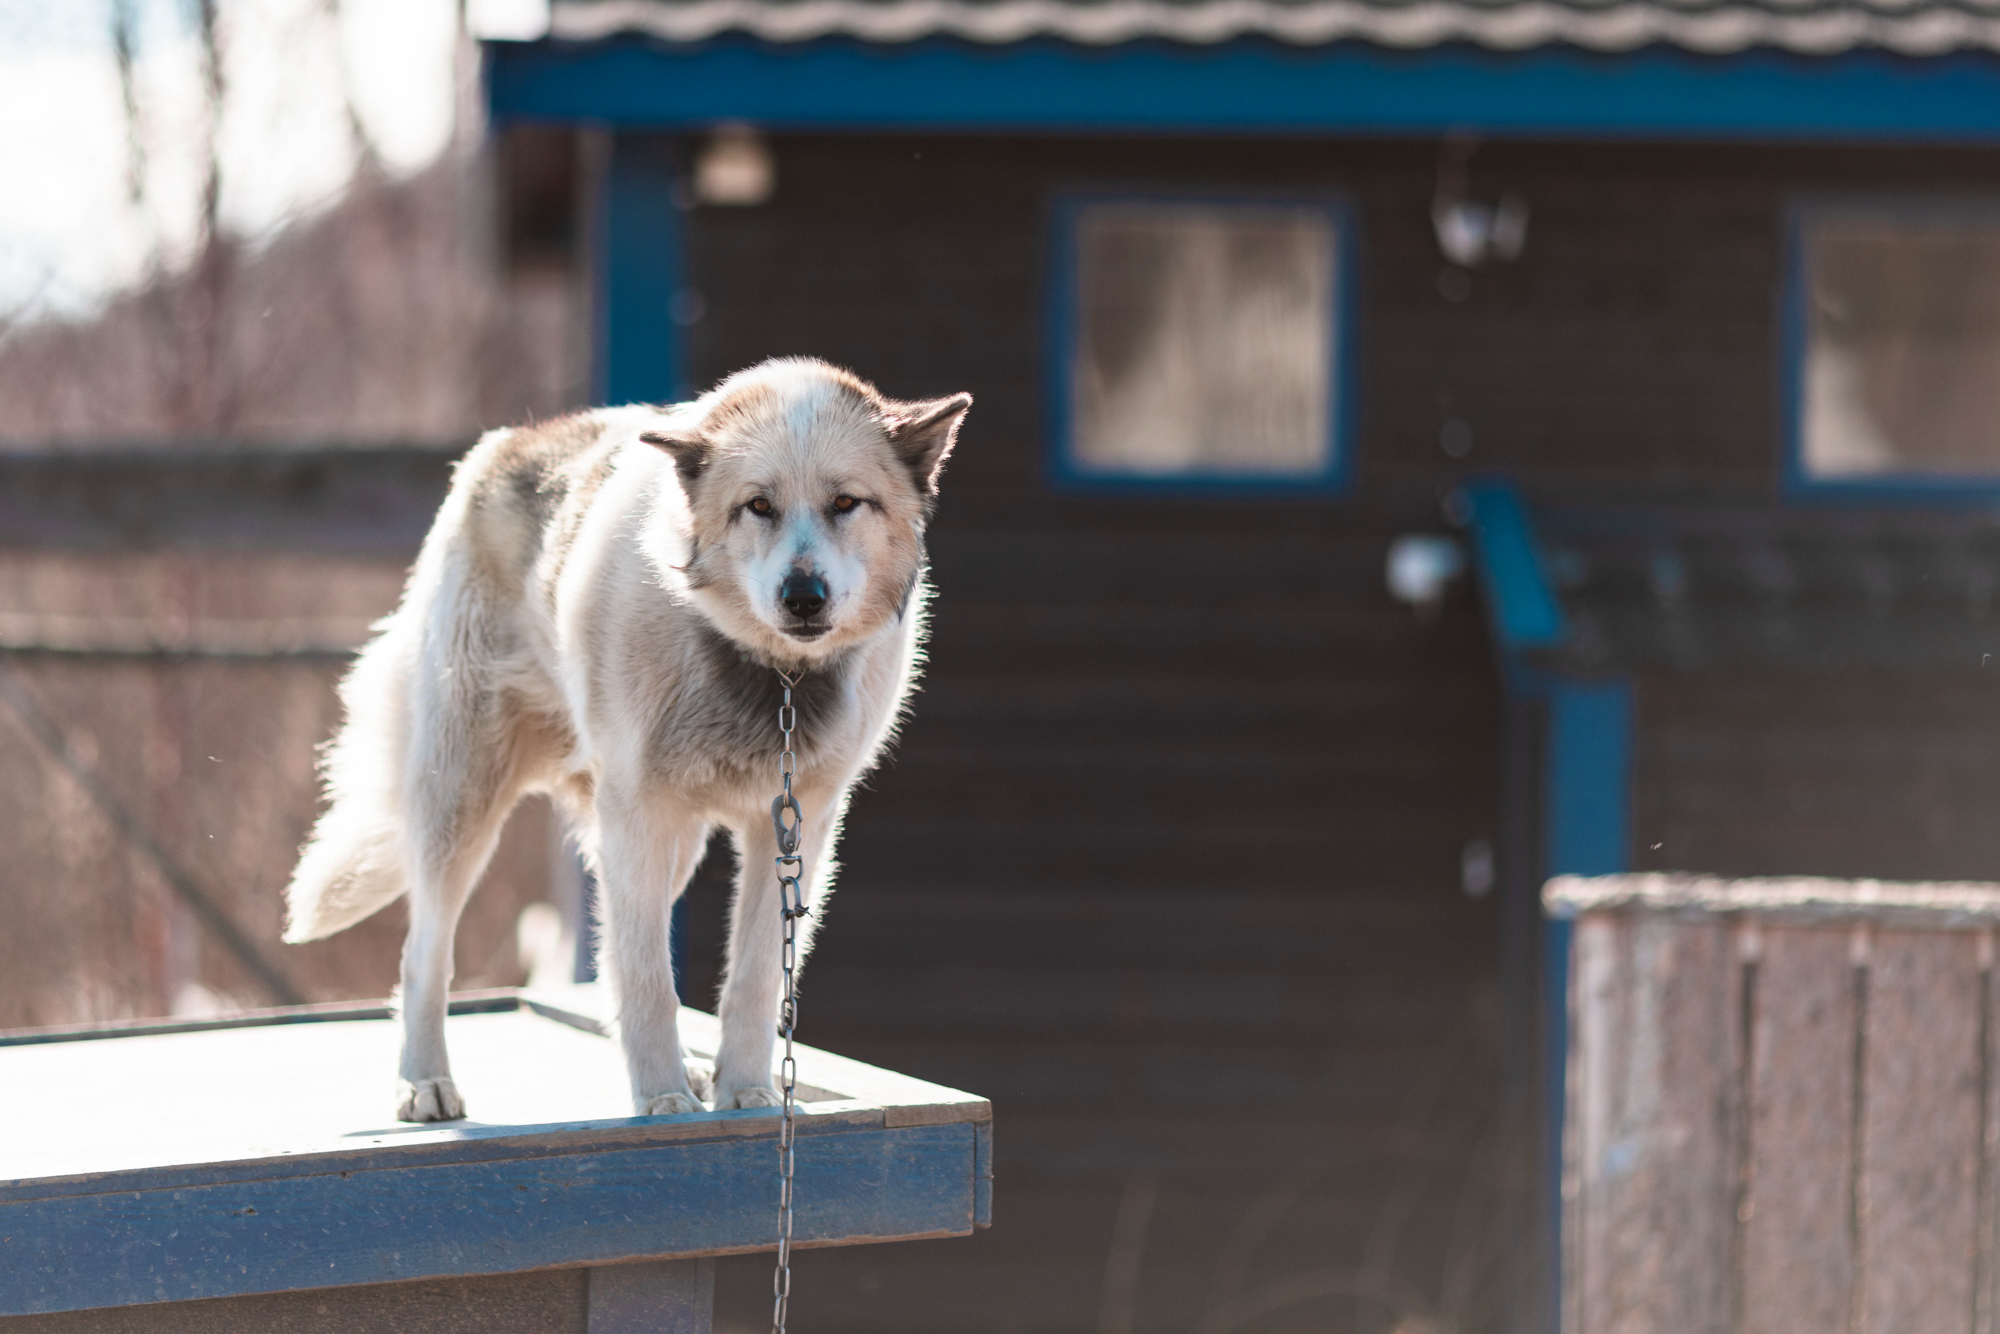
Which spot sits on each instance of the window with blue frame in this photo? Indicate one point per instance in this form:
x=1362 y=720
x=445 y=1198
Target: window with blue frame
x=1894 y=347
x=1197 y=343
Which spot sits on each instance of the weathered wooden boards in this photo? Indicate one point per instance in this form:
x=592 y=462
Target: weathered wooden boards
x=1781 y=1117
x=256 y=1158
x=1653 y=1173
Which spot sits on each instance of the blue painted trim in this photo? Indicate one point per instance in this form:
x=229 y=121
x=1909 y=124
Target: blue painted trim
x=1556 y=939
x=94 y=1244
x=1587 y=830
x=1061 y=318
x=1250 y=86
x=640 y=272
x=1522 y=607
x=1587 y=819
x=1794 y=322
x=1586 y=788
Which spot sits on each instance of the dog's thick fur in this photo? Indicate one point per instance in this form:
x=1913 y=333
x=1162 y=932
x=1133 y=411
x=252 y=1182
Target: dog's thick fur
x=599 y=613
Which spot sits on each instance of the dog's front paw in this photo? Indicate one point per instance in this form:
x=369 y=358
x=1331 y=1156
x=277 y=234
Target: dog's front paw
x=668 y=1104
x=430 y=1100
x=750 y=1095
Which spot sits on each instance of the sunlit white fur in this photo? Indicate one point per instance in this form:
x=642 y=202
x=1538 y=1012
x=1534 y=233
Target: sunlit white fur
x=597 y=614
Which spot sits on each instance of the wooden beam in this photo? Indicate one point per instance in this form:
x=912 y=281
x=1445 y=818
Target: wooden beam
x=652 y=1297
x=1795 y=900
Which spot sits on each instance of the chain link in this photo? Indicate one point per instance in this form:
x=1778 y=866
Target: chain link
x=791 y=907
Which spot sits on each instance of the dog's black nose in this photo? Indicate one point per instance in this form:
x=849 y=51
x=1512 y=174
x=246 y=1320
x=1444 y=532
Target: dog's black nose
x=803 y=594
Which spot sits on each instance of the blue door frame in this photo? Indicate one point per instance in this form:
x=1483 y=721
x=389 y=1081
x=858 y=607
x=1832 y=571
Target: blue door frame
x=641 y=252
x=638 y=354
x=1584 y=801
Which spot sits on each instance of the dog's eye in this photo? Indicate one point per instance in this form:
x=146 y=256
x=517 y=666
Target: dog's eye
x=760 y=506
x=842 y=504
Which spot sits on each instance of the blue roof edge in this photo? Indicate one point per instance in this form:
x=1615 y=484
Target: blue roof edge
x=1246 y=86
x=1521 y=605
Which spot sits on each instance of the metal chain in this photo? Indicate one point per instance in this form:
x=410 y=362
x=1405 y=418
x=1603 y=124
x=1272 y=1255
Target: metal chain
x=791 y=906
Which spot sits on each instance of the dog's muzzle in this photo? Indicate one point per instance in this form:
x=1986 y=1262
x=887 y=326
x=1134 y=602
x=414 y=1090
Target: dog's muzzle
x=803 y=595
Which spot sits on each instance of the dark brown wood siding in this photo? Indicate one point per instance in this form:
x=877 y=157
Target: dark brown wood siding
x=1167 y=862
x=1888 y=776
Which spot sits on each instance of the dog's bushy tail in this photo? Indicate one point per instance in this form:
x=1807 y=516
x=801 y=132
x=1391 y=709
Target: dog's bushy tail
x=356 y=863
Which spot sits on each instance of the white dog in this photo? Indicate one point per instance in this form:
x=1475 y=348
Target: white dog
x=600 y=612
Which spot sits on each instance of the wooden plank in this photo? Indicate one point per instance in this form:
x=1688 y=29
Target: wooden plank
x=1986 y=1277
x=652 y=1297
x=982 y=1175
x=1921 y=1131
x=1654 y=1160
x=73 y=1252
x=1801 y=900
x=1797 y=1244
x=548 y=1301
x=1596 y=948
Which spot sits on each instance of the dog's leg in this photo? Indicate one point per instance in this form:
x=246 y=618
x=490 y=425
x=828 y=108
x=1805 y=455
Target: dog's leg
x=445 y=879
x=752 y=984
x=648 y=852
x=465 y=769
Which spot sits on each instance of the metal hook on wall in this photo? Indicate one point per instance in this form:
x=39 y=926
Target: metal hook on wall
x=1471 y=232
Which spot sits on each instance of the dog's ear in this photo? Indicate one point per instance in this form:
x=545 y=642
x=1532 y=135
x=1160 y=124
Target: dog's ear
x=923 y=434
x=689 y=451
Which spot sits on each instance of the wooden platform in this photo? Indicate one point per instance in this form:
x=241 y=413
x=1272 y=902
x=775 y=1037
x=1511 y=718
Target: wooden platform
x=257 y=1155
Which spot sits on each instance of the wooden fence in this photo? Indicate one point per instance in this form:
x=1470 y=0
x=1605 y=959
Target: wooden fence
x=1781 y=1112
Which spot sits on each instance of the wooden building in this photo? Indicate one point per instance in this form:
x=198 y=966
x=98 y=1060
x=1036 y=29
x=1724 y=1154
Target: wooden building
x=1677 y=308
x=1212 y=861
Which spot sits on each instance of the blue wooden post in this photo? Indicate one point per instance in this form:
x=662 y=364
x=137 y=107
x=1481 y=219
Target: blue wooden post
x=1521 y=607
x=639 y=355
x=1585 y=792
x=1586 y=830
x=641 y=272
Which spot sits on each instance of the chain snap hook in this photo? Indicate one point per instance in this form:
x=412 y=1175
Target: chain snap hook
x=787 y=833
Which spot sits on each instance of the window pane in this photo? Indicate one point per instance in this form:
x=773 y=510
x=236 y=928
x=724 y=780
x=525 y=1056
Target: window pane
x=1206 y=340
x=1902 y=371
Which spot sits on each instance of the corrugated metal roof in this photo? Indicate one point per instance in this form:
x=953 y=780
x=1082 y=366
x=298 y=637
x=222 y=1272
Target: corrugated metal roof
x=1805 y=27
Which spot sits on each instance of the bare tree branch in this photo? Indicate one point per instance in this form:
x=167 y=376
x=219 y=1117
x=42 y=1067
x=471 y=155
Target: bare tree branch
x=124 y=47
x=47 y=731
